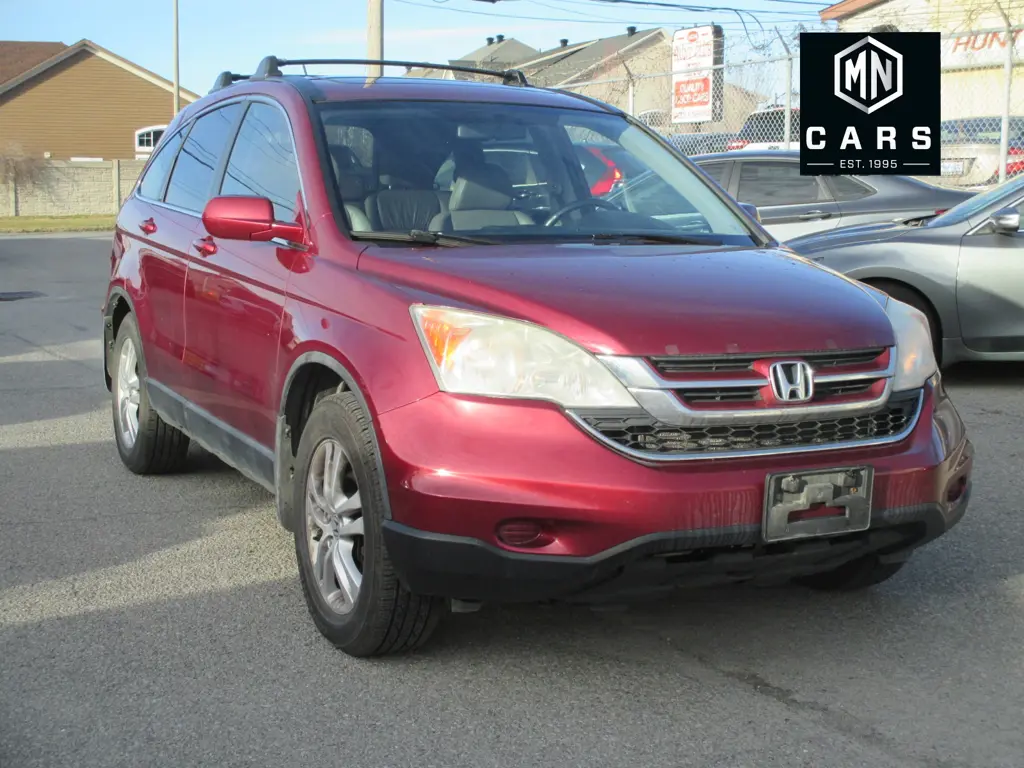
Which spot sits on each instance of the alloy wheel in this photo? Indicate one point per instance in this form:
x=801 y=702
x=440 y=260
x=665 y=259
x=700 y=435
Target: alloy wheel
x=334 y=526
x=128 y=394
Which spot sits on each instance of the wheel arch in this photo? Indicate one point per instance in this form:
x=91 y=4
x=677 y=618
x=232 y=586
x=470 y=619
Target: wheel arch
x=119 y=306
x=311 y=375
x=881 y=282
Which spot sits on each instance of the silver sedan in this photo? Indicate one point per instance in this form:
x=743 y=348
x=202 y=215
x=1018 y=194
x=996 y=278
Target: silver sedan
x=964 y=269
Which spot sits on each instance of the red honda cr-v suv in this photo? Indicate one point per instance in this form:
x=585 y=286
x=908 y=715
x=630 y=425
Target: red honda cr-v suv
x=397 y=305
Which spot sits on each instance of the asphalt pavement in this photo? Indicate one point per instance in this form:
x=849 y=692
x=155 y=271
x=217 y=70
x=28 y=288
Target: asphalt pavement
x=159 y=621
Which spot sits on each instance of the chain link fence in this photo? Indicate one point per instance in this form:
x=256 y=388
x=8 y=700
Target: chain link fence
x=757 y=104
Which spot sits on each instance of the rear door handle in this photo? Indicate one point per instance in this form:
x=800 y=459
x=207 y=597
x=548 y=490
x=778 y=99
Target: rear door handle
x=205 y=246
x=148 y=226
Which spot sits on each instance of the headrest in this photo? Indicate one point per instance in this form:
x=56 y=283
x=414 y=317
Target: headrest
x=481 y=188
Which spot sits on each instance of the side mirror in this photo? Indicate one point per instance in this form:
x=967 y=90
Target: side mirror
x=752 y=210
x=248 y=218
x=1006 y=221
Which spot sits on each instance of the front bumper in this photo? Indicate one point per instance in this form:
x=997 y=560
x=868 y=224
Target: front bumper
x=458 y=467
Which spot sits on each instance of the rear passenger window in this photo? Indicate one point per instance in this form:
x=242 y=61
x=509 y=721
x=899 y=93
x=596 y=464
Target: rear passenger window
x=715 y=170
x=153 y=182
x=192 y=177
x=849 y=189
x=263 y=161
x=777 y=184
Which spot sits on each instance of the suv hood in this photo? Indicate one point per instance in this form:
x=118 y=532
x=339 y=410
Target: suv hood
x=648 y=300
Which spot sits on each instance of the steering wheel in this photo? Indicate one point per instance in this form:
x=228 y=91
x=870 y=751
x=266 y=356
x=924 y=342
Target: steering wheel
x=589 y=201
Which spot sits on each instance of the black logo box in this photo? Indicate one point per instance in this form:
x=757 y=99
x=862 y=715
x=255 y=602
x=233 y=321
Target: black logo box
x=917 y=108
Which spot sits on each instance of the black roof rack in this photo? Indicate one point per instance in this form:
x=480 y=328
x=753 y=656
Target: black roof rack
x=271 y=67
x=224 y=79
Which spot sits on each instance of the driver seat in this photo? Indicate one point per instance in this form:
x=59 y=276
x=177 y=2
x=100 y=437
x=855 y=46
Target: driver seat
x=481 y=196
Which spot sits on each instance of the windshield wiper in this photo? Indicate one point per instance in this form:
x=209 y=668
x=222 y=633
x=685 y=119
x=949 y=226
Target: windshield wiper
x=422 y=236
x=671 y=239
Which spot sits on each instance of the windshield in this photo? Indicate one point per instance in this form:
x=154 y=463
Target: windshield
x=973 y=206
x=499 y=173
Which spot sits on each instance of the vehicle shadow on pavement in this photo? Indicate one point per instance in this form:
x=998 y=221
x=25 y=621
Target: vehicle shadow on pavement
x=985 y=374
x=96 y=516
x=239 y=676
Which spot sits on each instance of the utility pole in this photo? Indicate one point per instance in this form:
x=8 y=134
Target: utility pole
x=374 y=35
x=788 y=129
x=177 y=89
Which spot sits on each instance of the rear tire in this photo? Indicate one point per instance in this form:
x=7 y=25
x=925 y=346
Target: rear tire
x=146 y=443
x=349 y=583
x=854 y=575
x=909 y=296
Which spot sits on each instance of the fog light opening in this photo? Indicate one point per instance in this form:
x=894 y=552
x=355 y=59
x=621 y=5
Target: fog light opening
x=523 y=533
x=956 y=489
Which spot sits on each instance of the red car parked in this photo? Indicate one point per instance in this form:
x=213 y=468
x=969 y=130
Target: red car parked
x=466 y=379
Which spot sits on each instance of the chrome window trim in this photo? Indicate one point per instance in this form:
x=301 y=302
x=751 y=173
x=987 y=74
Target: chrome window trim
x=645 y=457
x=657 y=396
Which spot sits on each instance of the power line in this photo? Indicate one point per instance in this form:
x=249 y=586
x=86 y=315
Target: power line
x=440 y=7
x=681 y=7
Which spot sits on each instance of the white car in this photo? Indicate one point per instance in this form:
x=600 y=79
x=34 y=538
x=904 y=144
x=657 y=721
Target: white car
x=766 y=129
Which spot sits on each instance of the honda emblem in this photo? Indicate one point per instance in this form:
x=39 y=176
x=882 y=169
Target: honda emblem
x=792 y=381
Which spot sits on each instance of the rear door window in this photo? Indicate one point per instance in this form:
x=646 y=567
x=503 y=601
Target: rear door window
x=716 y=171
x=191 y=184
x=846 y=188
x=262 y=162
x=773 y=183
x=152 y=185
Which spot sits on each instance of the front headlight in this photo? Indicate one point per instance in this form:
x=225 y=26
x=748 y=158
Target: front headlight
x=915 y=356
x=478 y=354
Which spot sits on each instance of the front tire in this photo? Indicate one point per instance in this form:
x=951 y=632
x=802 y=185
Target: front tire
x=348 y=581
x=855 y=575
x=146 y=443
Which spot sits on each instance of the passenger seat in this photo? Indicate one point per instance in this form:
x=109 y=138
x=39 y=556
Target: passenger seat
x=351 y=190
x=400 y=210
x=480 y=198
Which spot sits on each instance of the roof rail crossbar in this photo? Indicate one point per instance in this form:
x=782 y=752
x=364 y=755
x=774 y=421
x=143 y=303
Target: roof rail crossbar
x=271 y=67
x=224 y=79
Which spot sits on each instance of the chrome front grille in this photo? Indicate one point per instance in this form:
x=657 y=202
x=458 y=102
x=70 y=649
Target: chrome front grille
x=711 y=364
x=727 y=405
x=845 y=383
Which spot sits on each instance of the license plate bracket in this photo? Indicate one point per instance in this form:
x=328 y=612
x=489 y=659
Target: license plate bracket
x=827 y=502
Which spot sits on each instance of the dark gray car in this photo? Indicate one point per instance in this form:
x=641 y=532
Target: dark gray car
x=792 y=205
x=964 y=269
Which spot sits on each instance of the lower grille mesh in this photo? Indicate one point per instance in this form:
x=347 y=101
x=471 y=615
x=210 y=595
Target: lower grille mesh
x=642 y=432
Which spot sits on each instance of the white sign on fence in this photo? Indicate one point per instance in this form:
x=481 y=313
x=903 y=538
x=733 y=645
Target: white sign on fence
x=696 y=91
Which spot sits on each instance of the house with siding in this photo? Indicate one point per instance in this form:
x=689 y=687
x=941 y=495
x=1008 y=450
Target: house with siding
x=81 y=101
x=631 y=71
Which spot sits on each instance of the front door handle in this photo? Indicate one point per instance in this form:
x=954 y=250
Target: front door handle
x=814 y=215
x=148 y=226
x=205 y=246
